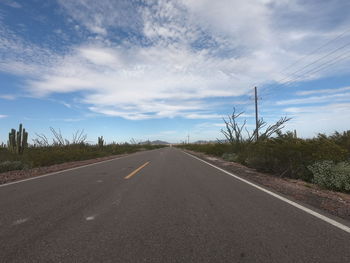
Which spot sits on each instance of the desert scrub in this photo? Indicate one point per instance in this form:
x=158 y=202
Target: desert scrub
x=10 y=166
x=284 y=158
x=49 y=155
x=216 y=149
x=231 y=157
x=330 y=175
x=289 y=157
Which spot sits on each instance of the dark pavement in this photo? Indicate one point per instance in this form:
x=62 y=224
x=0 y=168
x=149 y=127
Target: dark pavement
x=175 y=209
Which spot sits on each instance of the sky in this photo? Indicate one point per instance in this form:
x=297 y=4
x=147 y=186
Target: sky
x=166 y=69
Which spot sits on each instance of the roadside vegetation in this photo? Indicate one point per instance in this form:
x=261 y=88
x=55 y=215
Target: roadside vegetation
x=18 y=154
x=324 y=160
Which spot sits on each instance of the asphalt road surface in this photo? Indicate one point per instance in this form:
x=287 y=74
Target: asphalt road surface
x=158 y=206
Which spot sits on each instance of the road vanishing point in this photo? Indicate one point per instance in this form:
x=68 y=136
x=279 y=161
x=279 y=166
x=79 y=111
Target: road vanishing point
x=160 y=206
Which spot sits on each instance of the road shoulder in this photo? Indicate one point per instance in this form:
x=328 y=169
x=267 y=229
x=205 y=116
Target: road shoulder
x=335 y=203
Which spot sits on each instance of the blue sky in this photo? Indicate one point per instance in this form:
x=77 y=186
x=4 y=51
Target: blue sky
x=164 y=69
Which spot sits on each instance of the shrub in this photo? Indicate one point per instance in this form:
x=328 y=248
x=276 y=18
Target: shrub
x=289 y=157
x=231 y=157
x=50 y=155
x=331 y=175
x=286 y=155
x=341 y=139
x=216 y=149
x=322 y=148
x=282 y=157
x=10 y=166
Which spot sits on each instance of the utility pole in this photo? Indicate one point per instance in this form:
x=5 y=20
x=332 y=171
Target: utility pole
x=188 y=139
x=256 y=114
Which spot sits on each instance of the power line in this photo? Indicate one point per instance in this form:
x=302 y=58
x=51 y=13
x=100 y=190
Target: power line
x=293 y=79
x=317 y=69
x=317 y=60
x=315 y=50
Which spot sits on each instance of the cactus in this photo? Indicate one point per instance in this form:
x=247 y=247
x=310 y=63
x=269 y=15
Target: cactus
x=295 y=134
x=11 y=143
x=18 y=141
x=100 y=141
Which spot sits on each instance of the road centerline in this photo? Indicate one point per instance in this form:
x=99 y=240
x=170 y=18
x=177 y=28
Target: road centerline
x=136 y=171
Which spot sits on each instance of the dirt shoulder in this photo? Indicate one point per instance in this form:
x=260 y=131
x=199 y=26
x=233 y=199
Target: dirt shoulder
x=335 y=203
x=24 y=174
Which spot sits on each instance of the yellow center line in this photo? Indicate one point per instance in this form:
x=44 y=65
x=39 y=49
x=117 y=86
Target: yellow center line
x=136 y=171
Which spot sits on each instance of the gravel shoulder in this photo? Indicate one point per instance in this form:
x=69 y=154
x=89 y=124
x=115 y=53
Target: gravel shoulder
x=335 y=203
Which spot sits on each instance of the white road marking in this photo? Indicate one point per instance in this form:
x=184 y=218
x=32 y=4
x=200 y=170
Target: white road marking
x=99 y=181
x=20 y=221
x=89 y=218
x=305 y=209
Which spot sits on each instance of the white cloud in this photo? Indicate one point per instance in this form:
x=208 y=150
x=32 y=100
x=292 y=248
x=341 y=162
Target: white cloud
x=177 y=55
x=11 y=3
x=7 y=96
x=316 y=99
x=3 y=116
x=99 y=16
x=66 y=120
x=210 y=125
x=322 y=91
x=141 y=83
x=311 y=120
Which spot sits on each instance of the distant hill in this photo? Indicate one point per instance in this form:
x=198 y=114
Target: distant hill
x=156 y=142
x=205 y=142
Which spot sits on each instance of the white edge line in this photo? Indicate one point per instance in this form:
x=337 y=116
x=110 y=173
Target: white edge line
x=63 y=171
x=305 y=209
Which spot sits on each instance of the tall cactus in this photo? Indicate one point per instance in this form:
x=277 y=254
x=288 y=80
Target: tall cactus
x=12 y=141
x=18 y=141
x=100 y=141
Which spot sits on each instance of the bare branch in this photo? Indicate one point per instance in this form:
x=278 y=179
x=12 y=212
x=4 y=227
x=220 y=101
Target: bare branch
x=41 y=140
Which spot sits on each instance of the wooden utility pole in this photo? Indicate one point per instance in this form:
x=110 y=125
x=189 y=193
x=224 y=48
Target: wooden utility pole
x=256 y=114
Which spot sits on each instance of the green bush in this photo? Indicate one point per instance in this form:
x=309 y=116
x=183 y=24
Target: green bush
x=284 y=155
x=289 y=157
x=216 y=149
x=50 y=155
x=10 y=166
x=334 y=176
x=44 y=156
x=341 y=139
x=281 y=157
x=231 y=157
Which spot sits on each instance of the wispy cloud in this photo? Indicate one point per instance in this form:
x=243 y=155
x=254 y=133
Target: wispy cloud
x=11 y=3
x=66 y=120
x=3 y=116
x=323 y=118
x=322 y=91
x=7 y=96
x=101 y=16
x=210 y=125
x=317 y=99
x=173 y=58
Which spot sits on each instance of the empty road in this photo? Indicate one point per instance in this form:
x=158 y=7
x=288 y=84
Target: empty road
x=158 y=206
